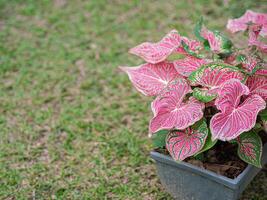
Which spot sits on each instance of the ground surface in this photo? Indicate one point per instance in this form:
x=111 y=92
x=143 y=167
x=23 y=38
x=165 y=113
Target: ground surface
x=71 y=125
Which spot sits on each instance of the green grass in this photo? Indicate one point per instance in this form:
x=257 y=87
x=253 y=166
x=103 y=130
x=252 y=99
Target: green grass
x=71 y=124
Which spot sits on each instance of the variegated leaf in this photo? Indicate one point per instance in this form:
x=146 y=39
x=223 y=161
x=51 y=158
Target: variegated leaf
x=158 y=52
x=182 y=144
x=258 y=85
x=189 y=64
x=204 y=95
x=151 y=79
x=218 y=43
x=172 y=111
x=211 y=76
x=234 y=118
x=242 y=23
x=250 y=148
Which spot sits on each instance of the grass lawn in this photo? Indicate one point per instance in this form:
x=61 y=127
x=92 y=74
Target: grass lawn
x=71 y=124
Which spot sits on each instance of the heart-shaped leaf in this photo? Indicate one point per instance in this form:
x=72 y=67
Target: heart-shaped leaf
x=250 y=148
x=182 y=144
x=211 y=76
x=258 y=85
x=171 y=111
x=158 y=52
x=189 y=64
x=159 y=138
x=242 y=23
x=213 y=40
x=151 y=79
x=234 y=118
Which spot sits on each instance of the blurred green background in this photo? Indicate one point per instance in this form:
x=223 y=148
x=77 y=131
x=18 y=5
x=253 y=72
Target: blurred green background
x=71 y=124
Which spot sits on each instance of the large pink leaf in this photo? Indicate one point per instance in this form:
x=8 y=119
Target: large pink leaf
x=157 y=52
x=241 y=24
x=258 y=85
x=151 y=79
x=170 y=110
x=234 y=118
x=182 y=144
x=189 y=64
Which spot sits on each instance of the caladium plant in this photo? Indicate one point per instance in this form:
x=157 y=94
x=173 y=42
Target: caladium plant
x=207 y=89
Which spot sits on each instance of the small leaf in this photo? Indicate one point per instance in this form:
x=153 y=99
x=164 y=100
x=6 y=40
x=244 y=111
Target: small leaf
x=189 y=51
x=241 y=58
x=182 y=144
x=250 y=148
x=159 y=138
x=203 y=95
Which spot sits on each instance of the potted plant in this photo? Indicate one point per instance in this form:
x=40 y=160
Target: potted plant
x=209 y=111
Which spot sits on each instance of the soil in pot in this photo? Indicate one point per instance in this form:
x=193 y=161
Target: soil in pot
x=221 y=159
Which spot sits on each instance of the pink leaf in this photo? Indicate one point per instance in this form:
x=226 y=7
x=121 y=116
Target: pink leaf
x=262 y=72
x=211 y=76
x=185 y=143
x=151 y=79
x=158 y=52
x=189 y=64
x=193 y=45
x=214 y=42
x=254 y=41
x=234 y=117
x=250 y=63
x=258 y=85
x=170 y=110
x=241 y=24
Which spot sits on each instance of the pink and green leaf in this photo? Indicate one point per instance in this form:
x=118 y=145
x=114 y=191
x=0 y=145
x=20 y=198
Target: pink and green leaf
x=188 y=64
x=213 y=75
x=172 y=111
x=182 y=144
x=204 y=95
x=250 y=148
x=242 y=23
x=213 y=40
x=258 y=85
x=151 y=79
x=234 y=118
x=158 y=52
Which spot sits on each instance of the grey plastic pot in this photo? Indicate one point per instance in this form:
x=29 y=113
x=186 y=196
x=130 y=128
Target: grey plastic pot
x=188 y=182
